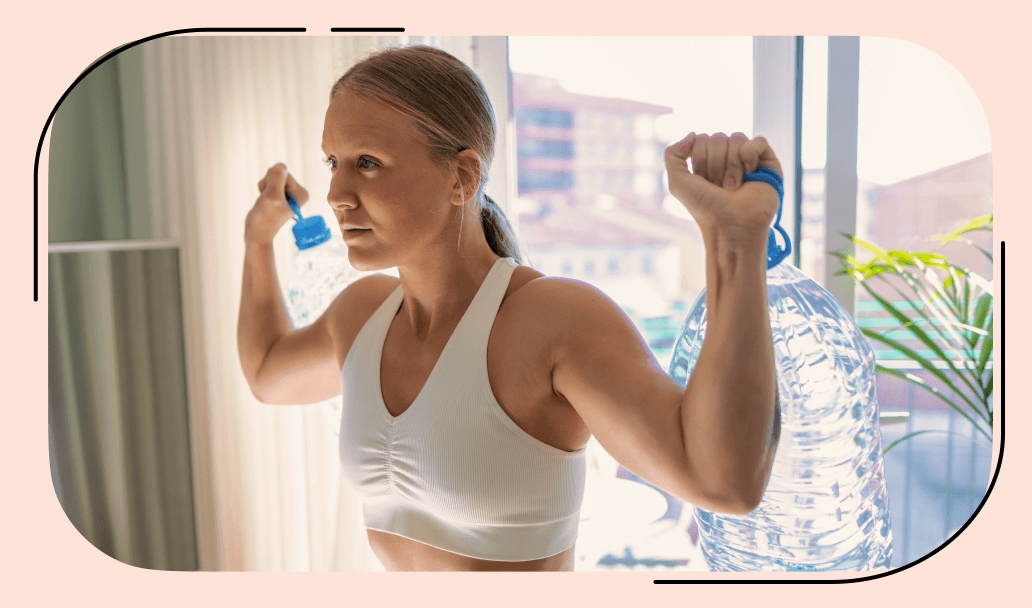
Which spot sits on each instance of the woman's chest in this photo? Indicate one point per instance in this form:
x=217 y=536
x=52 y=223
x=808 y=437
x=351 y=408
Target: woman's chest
x=512 y=364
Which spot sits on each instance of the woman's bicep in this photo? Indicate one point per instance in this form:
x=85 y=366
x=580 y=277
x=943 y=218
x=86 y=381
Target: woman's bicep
x=301 y=367
x=304 y=366
x=606 y=371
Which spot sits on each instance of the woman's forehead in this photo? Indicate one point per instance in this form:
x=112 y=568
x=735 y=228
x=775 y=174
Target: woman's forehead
x=357 y=120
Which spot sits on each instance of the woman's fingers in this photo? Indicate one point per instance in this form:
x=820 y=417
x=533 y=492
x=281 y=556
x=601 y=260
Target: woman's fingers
x=716 y=158
x=700 y=156
x=734 y=169
x=270 y=211
x=296 y=190
x=718 y=165
x=757 y=153
x=677 y=155
x=690 y=185
x=277 y=182
x=274 y=181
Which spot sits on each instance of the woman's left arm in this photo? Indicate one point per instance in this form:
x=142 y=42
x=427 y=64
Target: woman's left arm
x=713 y=442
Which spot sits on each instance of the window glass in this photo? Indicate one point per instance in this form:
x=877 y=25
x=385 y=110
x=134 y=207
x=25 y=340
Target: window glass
x=924 y=168
x=598 y=209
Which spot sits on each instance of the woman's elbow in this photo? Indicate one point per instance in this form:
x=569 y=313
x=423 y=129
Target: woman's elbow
x=747 y=502
x=749 y=497
x=728 y=500
x=737 y=505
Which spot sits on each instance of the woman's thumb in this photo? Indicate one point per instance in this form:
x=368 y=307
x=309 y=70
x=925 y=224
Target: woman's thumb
x=295 y=189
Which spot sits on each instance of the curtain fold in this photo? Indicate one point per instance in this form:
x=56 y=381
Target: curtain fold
x=161 y=456
x=268 y=487
x=117 y=414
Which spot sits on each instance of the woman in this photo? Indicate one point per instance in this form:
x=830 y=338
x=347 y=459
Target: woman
x=472 y=383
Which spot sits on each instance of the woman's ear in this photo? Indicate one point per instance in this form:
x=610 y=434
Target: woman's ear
x=466 y=165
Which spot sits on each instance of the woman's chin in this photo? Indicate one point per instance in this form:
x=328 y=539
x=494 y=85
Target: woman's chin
x=365 y=263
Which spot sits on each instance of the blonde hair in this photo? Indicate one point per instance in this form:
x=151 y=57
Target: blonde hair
x=449 y=106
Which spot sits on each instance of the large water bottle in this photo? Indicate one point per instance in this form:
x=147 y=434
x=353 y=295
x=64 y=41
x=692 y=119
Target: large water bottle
x=320 y=272
x=826 y=505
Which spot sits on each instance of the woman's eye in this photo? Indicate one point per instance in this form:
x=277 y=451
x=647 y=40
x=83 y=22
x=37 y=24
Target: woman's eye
x=329 y=162
x=368 y=164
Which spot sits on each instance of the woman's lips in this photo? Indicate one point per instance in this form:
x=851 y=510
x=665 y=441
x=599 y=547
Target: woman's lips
x=350 y=232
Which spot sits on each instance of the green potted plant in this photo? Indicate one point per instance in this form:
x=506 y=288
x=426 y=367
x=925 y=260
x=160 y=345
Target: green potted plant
x=950 y=312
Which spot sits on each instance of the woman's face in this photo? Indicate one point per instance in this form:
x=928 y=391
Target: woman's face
x=391 y=198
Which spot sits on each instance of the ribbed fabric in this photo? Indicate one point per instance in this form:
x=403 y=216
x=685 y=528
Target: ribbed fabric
x=453 y=470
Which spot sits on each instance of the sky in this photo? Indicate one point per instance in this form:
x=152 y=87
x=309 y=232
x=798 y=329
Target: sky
x=916 y=112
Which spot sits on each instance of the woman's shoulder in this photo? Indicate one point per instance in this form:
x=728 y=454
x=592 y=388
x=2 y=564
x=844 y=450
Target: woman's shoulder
x=356 y=304
x=554 y=300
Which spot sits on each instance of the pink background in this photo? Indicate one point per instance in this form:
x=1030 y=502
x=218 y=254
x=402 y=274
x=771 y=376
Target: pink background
x=46 y=561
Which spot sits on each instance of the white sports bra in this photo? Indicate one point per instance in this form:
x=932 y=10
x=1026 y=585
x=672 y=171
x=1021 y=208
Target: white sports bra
x=453 y=470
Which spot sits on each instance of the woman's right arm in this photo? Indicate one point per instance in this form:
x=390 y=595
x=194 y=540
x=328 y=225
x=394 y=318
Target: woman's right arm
x=282 y=365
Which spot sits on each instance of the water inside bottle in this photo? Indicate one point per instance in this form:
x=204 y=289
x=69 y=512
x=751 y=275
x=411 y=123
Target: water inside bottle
x=826 y=504
x=317 y=276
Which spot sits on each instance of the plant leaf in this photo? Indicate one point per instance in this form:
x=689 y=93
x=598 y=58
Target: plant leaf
x=925 y=363
x=982 y=222
x=987 y=349
x=945 y=326
x=878 y=252
x=967 y=300
x=932 y=259
x=982 y=309
x=916 y=433
x=921 y=383
x=918 y=332
x=981 y=312
x=981 y=283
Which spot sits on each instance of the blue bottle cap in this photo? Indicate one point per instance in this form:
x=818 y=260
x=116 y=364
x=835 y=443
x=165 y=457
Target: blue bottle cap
x=308 y=231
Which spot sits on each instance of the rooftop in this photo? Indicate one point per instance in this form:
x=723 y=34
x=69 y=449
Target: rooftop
x=538 y=91
x=579 y=228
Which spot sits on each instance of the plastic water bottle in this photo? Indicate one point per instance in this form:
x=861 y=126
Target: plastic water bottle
x=320 y=272
x=826 y=504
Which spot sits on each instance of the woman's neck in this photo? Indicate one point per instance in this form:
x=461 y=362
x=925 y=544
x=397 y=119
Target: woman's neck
x=440 y=283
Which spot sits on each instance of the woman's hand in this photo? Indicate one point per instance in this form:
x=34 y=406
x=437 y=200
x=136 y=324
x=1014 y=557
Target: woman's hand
x=713 y=191
x=271 y=210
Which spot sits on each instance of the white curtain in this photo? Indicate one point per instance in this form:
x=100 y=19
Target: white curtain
x=220 y=112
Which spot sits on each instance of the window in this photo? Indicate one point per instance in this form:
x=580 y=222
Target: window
x=926 y=183
x=899 y=83
x=631 y=118
x=546 y=117
x=538 y=148
x=544 y=180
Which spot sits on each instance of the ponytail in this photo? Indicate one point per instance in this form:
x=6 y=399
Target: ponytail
x=500 y=235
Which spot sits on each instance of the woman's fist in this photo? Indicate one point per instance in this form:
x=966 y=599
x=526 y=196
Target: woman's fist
x=713 y=191
x=271 y=210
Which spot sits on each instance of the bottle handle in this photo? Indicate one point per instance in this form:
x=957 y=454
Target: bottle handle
x=775 y=253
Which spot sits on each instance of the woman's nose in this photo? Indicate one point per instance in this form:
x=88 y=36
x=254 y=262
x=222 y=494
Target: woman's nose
x=340 y=196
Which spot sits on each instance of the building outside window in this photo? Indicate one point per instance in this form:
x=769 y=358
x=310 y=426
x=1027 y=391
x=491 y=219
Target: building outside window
x=616 y=211
x=932 y=181
x=621 y=115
